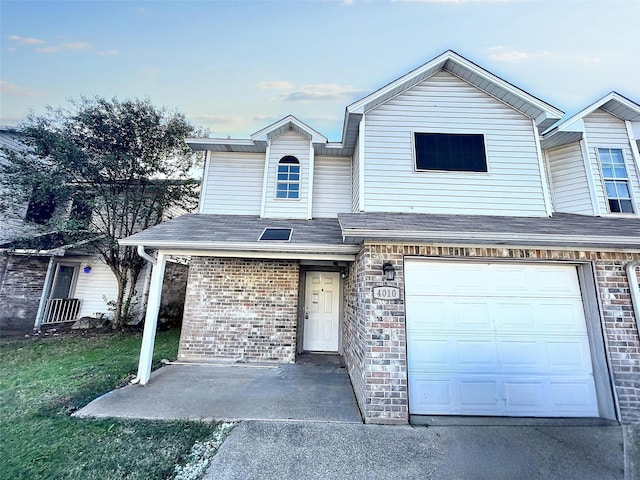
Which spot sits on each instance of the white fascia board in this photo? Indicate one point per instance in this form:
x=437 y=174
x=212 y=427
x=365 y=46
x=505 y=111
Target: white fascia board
x=359 y=105
x=200 y=144
x=335 y=257
x=244 y=246
x=543 y=239
x=566 y=123
x=548 y=111
x=551 y=138
x=315 y=136
x=512 y=246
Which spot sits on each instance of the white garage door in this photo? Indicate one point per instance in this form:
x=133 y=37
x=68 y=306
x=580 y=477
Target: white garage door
x=497 y=339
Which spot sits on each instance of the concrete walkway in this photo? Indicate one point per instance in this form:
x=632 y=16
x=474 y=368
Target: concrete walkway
x=317 y=388
x=284 y=450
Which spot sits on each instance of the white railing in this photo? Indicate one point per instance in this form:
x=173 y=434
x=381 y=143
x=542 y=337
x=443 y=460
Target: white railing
x=61 y=310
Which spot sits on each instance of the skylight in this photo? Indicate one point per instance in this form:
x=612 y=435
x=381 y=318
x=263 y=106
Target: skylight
x=280 y=234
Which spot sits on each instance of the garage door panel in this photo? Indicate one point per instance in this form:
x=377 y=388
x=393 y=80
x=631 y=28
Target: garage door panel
x=458 y=353
x=502 y=395
x=429 y=314
x=513 y=343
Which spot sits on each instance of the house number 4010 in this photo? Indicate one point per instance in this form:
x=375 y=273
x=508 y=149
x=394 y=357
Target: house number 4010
x=386 y=293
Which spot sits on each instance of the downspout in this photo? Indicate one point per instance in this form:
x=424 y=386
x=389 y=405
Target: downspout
x=634 y=289
x=145 y=255
x=152 y=261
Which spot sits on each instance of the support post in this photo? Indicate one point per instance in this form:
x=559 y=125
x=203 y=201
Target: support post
x=46 y=288
x=151 y=319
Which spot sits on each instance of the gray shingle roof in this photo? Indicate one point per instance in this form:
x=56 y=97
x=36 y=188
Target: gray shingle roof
x=202 y=231
x=207 y=229
x=562 y=229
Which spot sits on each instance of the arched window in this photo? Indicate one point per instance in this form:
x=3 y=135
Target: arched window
x=288 y=184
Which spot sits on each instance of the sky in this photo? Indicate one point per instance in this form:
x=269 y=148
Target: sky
x=236 y=67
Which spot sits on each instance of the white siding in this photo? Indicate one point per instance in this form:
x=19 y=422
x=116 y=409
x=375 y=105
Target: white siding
x=95 y=288
x=234 y=184
x=355 y=174
x=603 y=130
x=331 y=186
x=446 y=104
x=569 y=179
x=289 y=143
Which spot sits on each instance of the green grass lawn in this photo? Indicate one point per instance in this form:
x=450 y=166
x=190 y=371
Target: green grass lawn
x=43 y=381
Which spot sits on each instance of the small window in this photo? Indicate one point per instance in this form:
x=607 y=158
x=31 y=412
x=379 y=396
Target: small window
x=616 y=180
x=288 y=183
x=450 y=152
x=281 y=234
x=41 y=207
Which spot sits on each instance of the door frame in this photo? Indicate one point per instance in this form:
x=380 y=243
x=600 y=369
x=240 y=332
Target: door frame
x=74 y=278
x=608 y=407
x=302 y=287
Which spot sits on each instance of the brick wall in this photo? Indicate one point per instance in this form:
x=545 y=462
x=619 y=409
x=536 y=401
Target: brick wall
x=174 y=285
x=240 y=309
x=382 y=349
x=354 y=330
x=21 y=283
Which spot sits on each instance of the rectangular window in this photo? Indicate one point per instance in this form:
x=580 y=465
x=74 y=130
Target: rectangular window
x=454 y=152
x=616 y=180
x=288 y=185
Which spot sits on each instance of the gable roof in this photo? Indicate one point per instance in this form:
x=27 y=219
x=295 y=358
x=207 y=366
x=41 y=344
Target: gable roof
x=543 y=113
x=258 y=141
x=571 y=129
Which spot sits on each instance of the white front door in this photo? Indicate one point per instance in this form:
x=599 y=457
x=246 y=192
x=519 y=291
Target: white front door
x=322 y=312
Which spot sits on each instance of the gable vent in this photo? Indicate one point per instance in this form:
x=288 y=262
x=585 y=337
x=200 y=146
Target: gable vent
x=279 y=234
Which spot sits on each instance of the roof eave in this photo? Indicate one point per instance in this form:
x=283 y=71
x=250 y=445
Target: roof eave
x=631 y=243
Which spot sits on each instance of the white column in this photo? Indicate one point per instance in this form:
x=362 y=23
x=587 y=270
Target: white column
x=151 y=319
x=46 y=288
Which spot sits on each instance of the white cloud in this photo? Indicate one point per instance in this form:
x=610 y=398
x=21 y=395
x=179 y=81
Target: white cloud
x=276 y=85
x=16 y=90
x=64 y=46
x=26 y=40
x=517 y=56
x=320 y=91
x=450 y=1
x=502 y=54
x=109 y=52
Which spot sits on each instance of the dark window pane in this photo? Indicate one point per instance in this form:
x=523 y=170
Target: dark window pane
x=41 y=207
x=276 y=234
x=289 y=159
x=625 y=206
x=451 y=152
x=614 y=205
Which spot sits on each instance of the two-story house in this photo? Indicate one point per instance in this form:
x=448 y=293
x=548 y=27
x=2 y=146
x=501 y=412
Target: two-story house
x=47 y=279
x=465 y=250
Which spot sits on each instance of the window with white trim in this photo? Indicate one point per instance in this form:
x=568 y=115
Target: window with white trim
x=616 y=180
x=453 y=152
x=288 y=182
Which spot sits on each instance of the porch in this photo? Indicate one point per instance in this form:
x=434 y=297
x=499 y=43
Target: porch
x=316 y=388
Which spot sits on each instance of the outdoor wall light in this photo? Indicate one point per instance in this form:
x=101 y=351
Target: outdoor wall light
x=389 y=271
x=87 y=269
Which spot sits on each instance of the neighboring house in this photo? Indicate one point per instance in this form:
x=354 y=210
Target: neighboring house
x=46 y=279
x=461 y=261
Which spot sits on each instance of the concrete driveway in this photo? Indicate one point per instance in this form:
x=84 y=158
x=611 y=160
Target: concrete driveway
x=302 y=421
x=317 y=388
x=283 y=450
